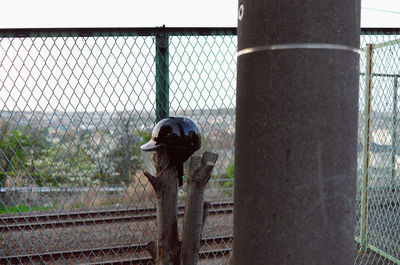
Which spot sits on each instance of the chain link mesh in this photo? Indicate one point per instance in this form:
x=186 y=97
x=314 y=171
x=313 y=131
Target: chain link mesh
x=377 y=227
x=75 y=106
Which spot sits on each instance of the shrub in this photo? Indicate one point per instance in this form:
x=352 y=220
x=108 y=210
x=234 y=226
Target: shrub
x=229 y=176
x=226 y=180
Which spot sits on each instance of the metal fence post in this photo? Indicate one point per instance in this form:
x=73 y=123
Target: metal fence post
x=366 y=146
x=162 y=76
x=394 y=132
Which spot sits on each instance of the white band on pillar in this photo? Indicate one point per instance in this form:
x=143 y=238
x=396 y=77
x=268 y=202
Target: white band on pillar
x=291 y=46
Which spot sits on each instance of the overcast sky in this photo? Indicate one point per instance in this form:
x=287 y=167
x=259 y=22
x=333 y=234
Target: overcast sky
x=151 y=13
x=132 y=13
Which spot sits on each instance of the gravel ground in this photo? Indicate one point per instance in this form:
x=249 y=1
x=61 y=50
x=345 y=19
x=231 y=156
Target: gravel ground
x=124 y=233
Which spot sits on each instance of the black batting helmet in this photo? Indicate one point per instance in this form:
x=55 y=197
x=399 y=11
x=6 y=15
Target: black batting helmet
x=179 y=135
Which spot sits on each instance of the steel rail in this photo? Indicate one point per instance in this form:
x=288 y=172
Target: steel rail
x=93 y=213
x=17 y=223
x=150 y=261
x=142 y=261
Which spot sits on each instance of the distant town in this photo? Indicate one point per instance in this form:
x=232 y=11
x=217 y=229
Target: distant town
x=218 y=126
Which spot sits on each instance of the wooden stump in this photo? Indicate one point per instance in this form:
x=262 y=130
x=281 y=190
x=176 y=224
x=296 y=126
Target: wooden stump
x=167 y=250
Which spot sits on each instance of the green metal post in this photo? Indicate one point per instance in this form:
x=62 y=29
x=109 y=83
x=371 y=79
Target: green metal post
x=162 y=77
x=394 y=132
x=366 y=153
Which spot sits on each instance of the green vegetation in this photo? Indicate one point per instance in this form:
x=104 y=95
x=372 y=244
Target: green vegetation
x=21 y=208
x=39 y=157
x=229 y=176
x=145 y=135
x=18 y=144
x=64 y=164
x=61 y=157
x=227 y=179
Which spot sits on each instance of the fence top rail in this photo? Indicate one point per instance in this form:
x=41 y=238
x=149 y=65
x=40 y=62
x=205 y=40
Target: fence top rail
x=174 y=31
x=380 y=31
x=94 y=32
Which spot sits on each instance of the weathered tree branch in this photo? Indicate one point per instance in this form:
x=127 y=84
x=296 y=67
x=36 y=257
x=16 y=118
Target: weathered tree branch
x=199 y=174
x=206 y=207
x=165 y=184
x=168 y=250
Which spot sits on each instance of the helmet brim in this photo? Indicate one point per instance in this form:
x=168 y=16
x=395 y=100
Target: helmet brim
x=151 y=146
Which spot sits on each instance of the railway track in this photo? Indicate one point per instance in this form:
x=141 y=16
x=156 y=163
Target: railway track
x=216 y=246
x=138 y=249
x=48 y=221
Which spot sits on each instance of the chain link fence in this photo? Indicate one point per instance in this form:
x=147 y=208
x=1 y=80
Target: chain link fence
x=75 y=106
x=378 y=182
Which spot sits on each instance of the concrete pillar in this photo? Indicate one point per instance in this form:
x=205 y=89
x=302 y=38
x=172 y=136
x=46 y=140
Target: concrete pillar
x=296 y=132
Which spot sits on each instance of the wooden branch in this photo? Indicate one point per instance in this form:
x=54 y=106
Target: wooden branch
x=206 y=207
x=168 y=250
x=165 y=184
x=199 y=174
x=153 y=181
